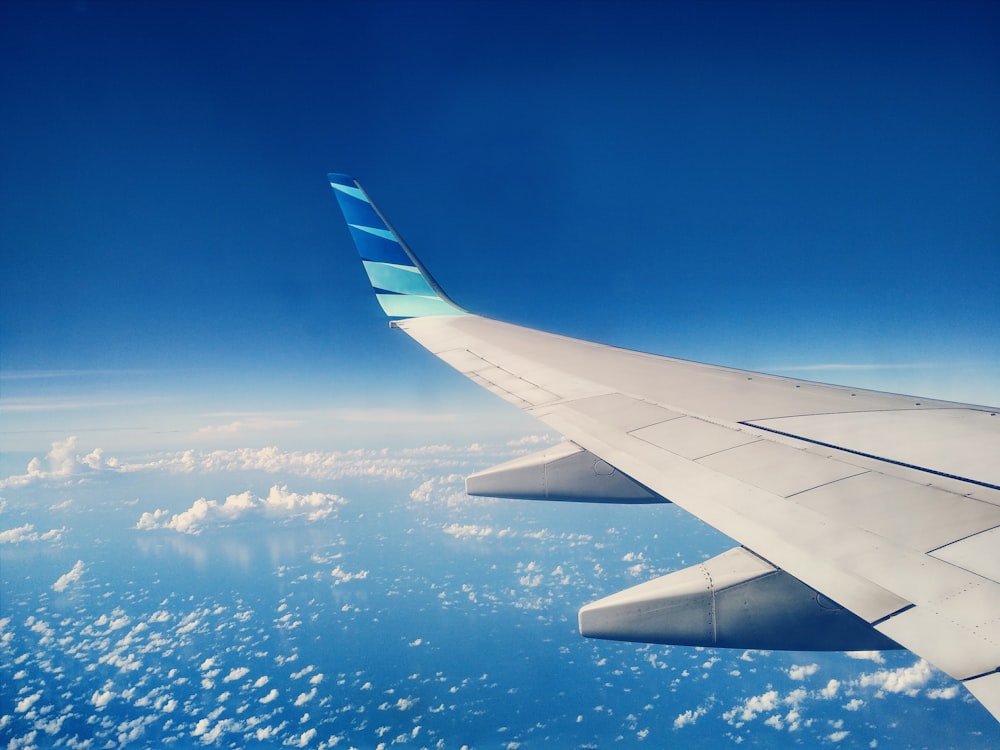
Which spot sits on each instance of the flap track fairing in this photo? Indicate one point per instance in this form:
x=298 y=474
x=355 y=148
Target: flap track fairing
x=734 y=600
x=566 y=472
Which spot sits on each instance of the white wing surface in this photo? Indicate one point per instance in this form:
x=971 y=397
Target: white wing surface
x=864 y=519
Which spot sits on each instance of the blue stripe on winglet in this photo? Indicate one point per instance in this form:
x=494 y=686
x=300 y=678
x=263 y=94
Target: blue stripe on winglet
x=374 y=248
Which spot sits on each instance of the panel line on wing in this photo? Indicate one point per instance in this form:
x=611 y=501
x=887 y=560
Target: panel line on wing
x=974 y=553
x=692 y=438
x=863 y=454
x=962 y=539
x=828 y=483
x=984 y=674
x=889 y=616
x=515 y=388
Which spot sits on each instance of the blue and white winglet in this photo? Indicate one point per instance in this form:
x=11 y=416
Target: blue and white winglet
x=403 y=287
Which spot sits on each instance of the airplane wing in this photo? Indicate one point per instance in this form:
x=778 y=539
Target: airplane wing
x=864 y=519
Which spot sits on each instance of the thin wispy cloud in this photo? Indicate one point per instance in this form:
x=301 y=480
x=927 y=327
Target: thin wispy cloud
x=41 y=405
x=853 y=366
x=53 y=374
x=244 y=426
x=394 y=415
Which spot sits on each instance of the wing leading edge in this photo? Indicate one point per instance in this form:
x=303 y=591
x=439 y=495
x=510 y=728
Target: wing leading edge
x=865 y=519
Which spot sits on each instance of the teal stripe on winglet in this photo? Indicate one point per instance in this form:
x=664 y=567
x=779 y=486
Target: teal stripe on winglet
x=411 y=306
x=399 y=279
x=383 y=233
x=351 y=191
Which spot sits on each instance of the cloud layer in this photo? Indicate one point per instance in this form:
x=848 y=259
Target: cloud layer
x=64 y=463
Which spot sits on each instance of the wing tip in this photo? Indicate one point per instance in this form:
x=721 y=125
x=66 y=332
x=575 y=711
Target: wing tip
x=403 y=287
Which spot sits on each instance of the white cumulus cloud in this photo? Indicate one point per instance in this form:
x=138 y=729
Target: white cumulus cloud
x=236 y=674
x=799 y=672
x=907 y=680
x=27 y=533
x=26 y=703
x=875 y=656
x=61 y=462
x=304 y=698
x=467 y=531
x=405 y=704
x=689 y=717
x=342 y=576
x=71 y=577
x=280 y=501
x=830 y=691
x=752 y=707
x=943 y=693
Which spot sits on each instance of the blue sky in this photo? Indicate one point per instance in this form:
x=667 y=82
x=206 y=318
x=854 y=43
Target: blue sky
x=802 y=188
x=808 y=188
